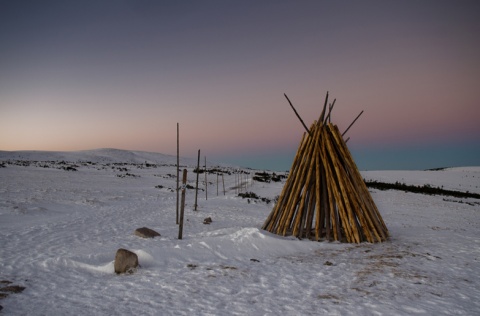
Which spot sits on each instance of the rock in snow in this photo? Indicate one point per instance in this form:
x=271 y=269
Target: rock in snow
x=207 y=220
x=146 y=232
x=125 y=261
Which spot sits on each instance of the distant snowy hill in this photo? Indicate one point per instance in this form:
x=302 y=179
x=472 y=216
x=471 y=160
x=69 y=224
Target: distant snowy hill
x=104 y=155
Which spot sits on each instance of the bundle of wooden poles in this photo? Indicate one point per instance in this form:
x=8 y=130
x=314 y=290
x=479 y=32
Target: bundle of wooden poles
x=325 y=197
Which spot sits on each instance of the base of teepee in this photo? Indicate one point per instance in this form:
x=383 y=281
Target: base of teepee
x=323 y=236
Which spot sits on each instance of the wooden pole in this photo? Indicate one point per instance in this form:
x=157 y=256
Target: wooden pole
x=310 y=166
x=217 y=183
x=330 y=108
x=295 y=194
x=223 y=181
x=352 y=123
x=318 y=200
x=206 y=182
x=178 y=165
x=244 y=182
x=296 y=113
x=332 y=210
x=239 y=182
x=182 y=209
x=322 y=116
x=325 y=203
x=196 y=186
x=311 y=211
x=314 y=193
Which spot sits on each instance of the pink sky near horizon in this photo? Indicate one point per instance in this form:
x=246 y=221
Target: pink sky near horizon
x=122 y=74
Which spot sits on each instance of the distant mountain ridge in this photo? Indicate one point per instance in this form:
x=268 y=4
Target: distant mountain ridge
x=102 y=155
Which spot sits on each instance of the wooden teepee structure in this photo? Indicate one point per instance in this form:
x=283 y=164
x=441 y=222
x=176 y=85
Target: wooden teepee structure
x=325 y=197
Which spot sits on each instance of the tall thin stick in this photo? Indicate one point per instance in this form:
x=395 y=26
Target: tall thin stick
x=223 y=181
x=352 y=123
x=206 y=182
x=196 y=186
x=322 y=116
x=330 y=108
x=296 y=113
x=239 y=189
x=182 y=209
x=178 y=165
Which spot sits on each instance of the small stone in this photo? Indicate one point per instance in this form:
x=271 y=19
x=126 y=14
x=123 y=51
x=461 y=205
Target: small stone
x=207 y=220
x=125 y=261
x=328 y=263
x=146 y=232
x=13 y=289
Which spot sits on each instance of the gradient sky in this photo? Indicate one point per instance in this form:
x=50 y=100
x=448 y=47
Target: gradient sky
x=78 y=75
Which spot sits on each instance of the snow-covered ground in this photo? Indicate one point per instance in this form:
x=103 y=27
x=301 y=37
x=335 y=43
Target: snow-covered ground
x=59 y=231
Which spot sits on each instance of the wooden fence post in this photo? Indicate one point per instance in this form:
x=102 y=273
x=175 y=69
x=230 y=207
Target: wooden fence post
x=182 y=208
x=223 y=181
x=196 y=186
x=206 y=182
x=178 y=166
x=245 y=179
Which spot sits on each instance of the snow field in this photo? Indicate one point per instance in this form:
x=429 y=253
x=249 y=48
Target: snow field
x=59 y=232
